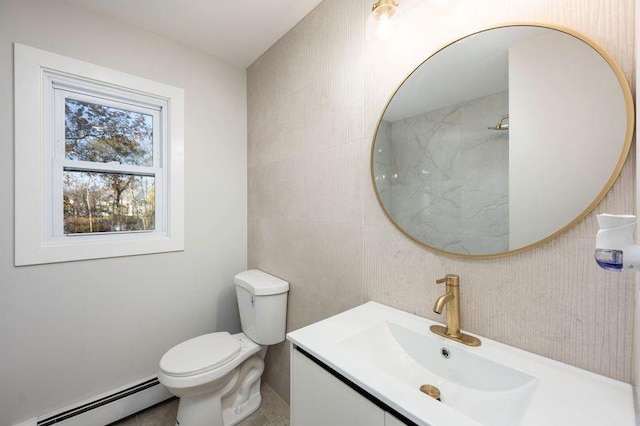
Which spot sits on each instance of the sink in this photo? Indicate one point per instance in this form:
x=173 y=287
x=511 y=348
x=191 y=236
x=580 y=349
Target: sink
x=389 y=354
x=478 y=387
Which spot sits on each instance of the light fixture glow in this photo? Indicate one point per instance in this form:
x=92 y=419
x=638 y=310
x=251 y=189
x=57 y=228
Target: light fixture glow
x=382 y=12
x=384 y=28
x=384 y=8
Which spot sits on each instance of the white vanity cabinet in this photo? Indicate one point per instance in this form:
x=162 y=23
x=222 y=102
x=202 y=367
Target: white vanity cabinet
x=373 y=358
x=318 y=398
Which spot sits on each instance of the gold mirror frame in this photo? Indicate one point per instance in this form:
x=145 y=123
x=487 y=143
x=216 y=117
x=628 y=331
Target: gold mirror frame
x=629 y=108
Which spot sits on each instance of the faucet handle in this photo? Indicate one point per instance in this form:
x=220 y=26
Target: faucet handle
x=451 y=280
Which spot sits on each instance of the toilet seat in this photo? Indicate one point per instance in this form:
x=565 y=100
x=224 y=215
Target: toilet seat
x=200 y=354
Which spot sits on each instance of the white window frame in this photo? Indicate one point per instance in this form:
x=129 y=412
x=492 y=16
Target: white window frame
x=43 y=79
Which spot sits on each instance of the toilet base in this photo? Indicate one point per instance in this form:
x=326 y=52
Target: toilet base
x=232 y=416
x=236 y=398
x=202 y=411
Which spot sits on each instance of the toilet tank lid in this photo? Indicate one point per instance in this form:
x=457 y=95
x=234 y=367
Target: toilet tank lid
x=260 y=283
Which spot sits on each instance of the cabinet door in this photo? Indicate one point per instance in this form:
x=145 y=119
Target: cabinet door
x=319 y=399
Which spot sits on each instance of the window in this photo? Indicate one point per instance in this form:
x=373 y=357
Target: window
x=103 y=169
x=106 y=151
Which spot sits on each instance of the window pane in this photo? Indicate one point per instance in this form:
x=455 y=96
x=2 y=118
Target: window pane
x=103 y=134
x=108 y=202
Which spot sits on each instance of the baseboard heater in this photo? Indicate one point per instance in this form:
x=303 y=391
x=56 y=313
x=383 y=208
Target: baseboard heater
x=110 y=406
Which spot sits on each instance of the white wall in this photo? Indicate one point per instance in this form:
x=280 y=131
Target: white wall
x=69 y=331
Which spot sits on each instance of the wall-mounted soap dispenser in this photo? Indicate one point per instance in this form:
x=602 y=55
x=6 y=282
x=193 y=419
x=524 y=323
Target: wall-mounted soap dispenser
x=615 y=249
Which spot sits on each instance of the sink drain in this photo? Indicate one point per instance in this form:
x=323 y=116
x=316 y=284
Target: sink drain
x=431 y=390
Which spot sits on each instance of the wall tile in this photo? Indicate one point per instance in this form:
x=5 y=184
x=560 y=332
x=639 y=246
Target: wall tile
x=335 y=184
x=261 y=197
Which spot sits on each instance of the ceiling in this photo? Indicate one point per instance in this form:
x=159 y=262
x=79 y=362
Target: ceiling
x=235 y=31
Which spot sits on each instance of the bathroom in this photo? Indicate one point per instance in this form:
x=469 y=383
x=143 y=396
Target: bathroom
x=277 y=177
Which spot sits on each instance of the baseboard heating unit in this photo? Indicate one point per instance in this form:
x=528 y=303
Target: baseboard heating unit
x=108 y=407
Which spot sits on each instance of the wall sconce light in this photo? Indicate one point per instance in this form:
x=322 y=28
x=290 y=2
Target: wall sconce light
x=381 y=13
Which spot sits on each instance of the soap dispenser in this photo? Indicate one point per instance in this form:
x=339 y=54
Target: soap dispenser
x=615 y=249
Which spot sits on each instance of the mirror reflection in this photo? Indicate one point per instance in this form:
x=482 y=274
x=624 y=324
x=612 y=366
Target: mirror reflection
x=502 y=140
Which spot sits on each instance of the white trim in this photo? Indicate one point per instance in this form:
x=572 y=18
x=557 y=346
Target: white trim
x=113 y=411
x=31 y=244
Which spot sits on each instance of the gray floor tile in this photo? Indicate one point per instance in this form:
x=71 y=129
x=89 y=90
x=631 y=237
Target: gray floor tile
x=161 y=415
x=273 y=406
x=129 y=421
x=272 y=412
x=256 y=419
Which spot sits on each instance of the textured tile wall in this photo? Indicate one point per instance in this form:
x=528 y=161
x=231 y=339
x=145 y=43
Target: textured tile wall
x=314 y=101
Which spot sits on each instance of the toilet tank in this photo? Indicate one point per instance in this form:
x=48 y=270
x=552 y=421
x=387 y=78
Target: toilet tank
x=262 y=301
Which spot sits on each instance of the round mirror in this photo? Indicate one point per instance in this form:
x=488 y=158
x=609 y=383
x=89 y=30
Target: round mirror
x=502 y=140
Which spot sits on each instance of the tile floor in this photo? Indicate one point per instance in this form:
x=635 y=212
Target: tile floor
x=272 y=412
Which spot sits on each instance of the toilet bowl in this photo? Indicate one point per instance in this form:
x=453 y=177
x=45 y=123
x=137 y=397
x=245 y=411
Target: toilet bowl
x=217 y=375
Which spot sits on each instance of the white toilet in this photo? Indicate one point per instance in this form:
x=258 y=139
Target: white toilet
x=217 y=375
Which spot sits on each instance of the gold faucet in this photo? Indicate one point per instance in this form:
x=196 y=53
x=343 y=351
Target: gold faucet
x=451 y=300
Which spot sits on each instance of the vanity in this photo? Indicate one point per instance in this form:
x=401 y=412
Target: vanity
x=366 y=366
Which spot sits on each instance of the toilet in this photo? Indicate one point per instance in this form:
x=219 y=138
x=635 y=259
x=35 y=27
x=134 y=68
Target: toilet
x=217 y=375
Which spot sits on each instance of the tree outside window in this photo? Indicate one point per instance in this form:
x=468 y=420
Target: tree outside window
x=100 y=200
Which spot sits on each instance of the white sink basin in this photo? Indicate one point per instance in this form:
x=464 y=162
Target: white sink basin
x=484 y=390
x=391 y=353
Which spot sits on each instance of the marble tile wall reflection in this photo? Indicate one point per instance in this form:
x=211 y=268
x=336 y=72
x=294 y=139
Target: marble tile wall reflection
x=444 y=176
x=384 y=167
